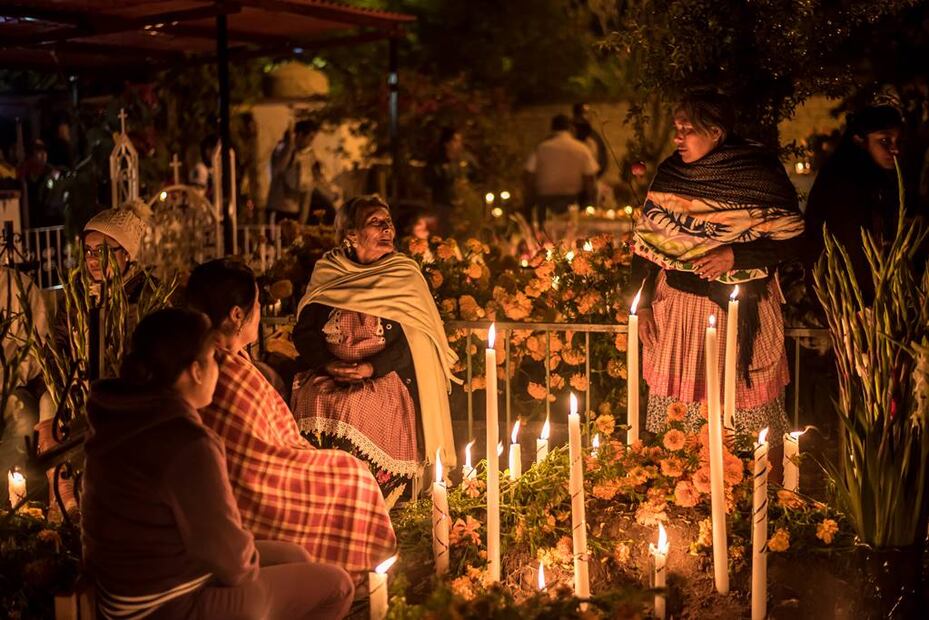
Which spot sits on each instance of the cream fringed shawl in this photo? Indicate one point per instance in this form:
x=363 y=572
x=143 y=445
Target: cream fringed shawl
x=394 y=288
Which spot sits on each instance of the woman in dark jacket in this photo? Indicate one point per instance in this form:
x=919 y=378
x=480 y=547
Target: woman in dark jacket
x=857 y=190
x=161 y=532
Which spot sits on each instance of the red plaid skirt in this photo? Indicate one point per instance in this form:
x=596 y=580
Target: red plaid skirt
x=675 y=369
x=376 y=416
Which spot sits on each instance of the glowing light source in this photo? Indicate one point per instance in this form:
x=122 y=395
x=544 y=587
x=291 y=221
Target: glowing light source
x=496 y=212
x=546 y=429
x=384 y=566
x=489 y=198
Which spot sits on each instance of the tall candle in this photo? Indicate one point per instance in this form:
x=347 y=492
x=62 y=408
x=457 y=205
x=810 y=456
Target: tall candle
x=17 y=487
x=760 y=530
x=493 y=463
x=468 y=472
x=516 y=456
x=632 y=373
x=732 y=341
x=377 y=589
x=541 y=444
x=660 y=558
x=717 y=488
x=439 y=518
x=578 y=516
x=791 y=462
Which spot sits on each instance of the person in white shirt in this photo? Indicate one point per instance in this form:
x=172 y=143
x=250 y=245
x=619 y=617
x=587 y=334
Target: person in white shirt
x=561 y=171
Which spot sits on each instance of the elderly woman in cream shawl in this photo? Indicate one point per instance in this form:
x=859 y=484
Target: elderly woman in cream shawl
x=377 y=366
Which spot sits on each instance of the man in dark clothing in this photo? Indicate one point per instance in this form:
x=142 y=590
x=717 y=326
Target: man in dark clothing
x=857 y=190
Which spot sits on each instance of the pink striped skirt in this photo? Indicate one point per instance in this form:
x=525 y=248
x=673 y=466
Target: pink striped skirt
x=675 y=369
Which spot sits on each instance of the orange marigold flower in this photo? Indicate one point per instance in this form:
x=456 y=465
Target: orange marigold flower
x=436 y=278
x=448 y=249
x=733 y=469
x=450 y=306
x=579 y=382
x=704 y=411
x=605 y=424
x=620 y=342
x=616 y=369
x=606 y=490
x=573 y=357
x=418 y=247
x=685 y=495
x=475 y=246
x=470 y=310
x=789 y=500
x=701 y=479
x=474 y=271
x=677 y=411
x=826 y=530
x=672 y=467
x=581 y=266
x=674 y=440
x=536 y=390
x=556 y=381
x=780 y=541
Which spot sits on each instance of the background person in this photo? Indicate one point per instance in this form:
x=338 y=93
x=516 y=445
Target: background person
x=161 y=532
x=560 y=171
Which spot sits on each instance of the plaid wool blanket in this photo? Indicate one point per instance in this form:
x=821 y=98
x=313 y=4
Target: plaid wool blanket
x=325 y=500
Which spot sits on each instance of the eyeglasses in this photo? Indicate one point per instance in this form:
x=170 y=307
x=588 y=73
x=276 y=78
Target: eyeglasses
x=97 y=252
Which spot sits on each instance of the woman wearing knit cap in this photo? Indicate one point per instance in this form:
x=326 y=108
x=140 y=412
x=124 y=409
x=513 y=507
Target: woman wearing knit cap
x=720 y=212
x=857 y=189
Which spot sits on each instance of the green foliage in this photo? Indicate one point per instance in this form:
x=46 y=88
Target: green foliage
x=16 y=327
x=881 y=354
x=768 y=55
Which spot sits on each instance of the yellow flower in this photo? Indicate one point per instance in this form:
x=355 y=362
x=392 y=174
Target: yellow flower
x=826 y=530
x=463 y=587
x=705 y=537
x=677 y=411
x=605 y=424
x=780 y=541
x=579 y=382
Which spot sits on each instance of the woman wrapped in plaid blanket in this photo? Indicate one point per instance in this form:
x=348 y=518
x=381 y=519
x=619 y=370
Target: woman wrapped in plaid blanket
x=377 y=363
x=720 y=212
x=325 y=500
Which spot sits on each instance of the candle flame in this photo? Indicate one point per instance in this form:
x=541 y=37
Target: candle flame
x=468 y=453
x=384 y=566
x=596 y=441
x=712 y=320
x=546 y=429
x=541 y=576
x=18 y=477
x=588 y=246
x=735 y=293
x=499 y=448
x=663 y=543
x=569 y=256
x=491 y=335
x=515 y=432
x=573 y=404
x=796 y=434
x=438 y=466
x=763 y=436
x=635 y=300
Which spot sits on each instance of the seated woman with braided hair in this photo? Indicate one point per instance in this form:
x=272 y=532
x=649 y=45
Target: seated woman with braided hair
x=720 y=212
x=377 y=365
x=162 y=535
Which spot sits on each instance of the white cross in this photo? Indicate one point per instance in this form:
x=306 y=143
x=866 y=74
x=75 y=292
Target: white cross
x=122 y=120
x=176 y=166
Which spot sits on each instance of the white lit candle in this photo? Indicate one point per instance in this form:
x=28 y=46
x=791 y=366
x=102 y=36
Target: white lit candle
x=439 y=518
x=578 y=512
x=541 y=444
x=791 y=461
x=717 y=488
x=632 y=372
x=660 y=558
x=493 y=464
x=468 y=472
x=595 y=445
x=760 y=530
x=732 y=341
x=377 y=589
x=516 y=456
x=17 y=487
x=541 y=576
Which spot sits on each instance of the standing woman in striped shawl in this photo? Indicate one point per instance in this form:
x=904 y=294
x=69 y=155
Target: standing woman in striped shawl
x=720 y=212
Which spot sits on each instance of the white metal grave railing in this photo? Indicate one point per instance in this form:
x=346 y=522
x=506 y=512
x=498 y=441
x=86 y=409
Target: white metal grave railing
x=505 y=329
